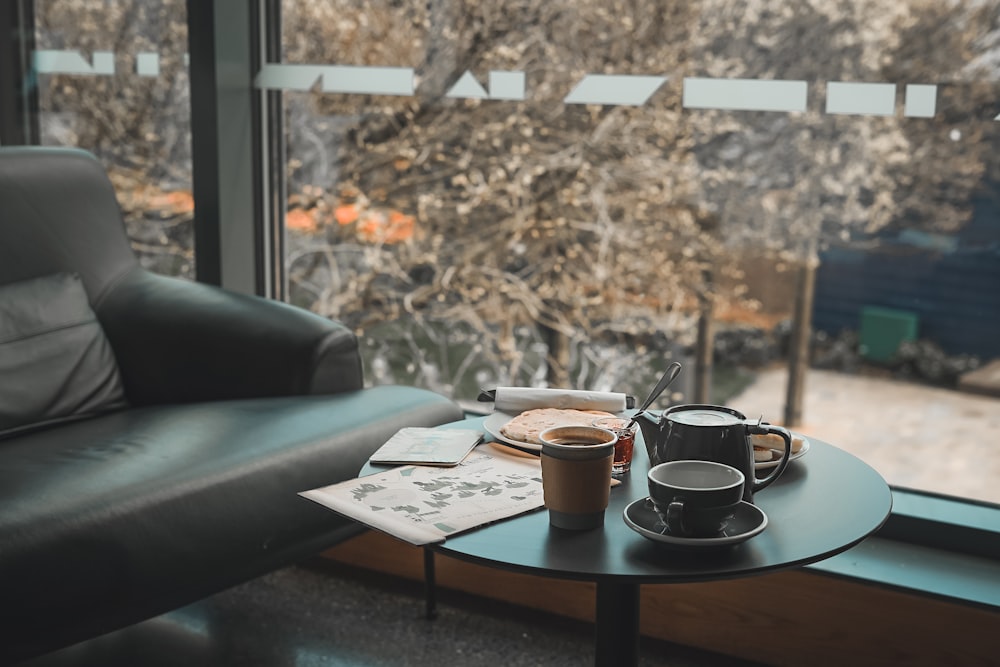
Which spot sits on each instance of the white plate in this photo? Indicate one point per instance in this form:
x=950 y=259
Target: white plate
x=766 y=465
x=749 y=520
x=495 y=421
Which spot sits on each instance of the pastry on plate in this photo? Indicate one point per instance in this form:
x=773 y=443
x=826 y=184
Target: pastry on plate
x=775 y=443
x=526 y=426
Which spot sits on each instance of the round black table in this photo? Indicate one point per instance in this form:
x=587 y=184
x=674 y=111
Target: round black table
x=824 y=503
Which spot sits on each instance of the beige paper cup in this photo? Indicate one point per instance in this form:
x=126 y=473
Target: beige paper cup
x=576 y=475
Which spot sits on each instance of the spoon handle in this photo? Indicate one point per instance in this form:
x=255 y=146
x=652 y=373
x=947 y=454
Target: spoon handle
x=668 y=376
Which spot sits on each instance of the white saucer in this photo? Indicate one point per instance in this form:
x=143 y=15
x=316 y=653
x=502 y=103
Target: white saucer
x=749 y=520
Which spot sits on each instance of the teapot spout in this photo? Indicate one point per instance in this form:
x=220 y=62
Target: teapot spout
x=650 y=426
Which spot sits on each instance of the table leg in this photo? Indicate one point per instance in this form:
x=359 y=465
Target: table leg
x=617 y=624
x=430 y=585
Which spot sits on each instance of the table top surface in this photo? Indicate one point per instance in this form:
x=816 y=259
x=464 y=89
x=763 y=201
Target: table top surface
x=824 y=503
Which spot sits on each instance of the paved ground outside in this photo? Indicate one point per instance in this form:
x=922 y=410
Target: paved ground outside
x=916 y=436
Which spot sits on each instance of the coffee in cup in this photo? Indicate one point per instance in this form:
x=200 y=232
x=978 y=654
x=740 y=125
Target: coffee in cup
x=695 y=498
x=576 y=474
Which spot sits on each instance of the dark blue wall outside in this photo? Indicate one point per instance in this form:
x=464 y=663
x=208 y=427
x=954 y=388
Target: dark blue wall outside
x=950 y=282
x=954 y=294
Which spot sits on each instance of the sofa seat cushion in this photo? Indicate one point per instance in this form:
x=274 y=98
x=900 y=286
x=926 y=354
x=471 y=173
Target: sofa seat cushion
x=118 y=518
x=55 y=361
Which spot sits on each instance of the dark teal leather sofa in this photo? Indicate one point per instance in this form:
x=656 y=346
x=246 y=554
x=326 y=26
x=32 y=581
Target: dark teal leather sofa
x=155 y=432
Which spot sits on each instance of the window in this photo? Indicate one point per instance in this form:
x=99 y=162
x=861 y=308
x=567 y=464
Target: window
x=112 y=79
x=578 y=192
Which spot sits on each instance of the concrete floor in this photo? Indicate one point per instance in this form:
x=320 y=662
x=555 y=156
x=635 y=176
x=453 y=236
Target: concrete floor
x=916 y=436
x=326 y=615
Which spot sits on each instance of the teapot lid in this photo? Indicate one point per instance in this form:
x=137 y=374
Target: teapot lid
x=704 y=417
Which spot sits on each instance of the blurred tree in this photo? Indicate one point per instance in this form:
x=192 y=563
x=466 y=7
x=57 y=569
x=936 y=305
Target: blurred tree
x=799 y=181
x=584 y=220
x=576 y=219
x=138 y=126
x=581 y=222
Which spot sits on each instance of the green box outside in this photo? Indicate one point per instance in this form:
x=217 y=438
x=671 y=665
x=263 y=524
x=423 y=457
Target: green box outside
x=882 y=331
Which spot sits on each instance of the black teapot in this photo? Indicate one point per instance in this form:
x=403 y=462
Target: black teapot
x=710 y=433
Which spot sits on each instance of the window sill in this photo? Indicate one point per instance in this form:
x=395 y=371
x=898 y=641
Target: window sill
x=934 y=545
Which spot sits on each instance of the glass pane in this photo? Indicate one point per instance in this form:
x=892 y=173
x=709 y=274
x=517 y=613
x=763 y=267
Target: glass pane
x=112 y=79
x=575 y=193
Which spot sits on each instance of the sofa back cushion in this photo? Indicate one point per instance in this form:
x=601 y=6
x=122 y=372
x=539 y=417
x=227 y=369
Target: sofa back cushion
x=59 y=213
x=55 y=362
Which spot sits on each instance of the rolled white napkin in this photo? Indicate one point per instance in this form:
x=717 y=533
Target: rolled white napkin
x=514 y=400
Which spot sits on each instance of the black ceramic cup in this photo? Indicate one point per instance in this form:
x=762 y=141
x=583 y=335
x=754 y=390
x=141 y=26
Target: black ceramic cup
x=695 y=498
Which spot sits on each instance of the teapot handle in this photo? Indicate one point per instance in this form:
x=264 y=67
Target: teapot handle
x=755 y=428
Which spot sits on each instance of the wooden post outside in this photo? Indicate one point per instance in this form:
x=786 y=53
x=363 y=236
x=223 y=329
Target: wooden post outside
x=703 y=352
x=557 y=356
x=798 y=346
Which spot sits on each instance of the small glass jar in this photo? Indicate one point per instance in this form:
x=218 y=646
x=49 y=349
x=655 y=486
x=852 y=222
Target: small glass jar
x=626 y=442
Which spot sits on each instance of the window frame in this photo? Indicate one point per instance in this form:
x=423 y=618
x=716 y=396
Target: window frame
x=228 y=120
x=19 y=111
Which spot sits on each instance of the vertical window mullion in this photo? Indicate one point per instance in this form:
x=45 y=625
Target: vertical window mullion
x=18 y=92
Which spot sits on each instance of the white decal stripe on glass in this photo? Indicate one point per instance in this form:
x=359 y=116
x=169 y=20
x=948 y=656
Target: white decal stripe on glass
x=506 y=85
x=745 y=94
x=612 y=89
x=338 y=78
x=467 y=87
x=289 y=77
x=147 y=64
x=73 y=62
x=921 y=101
x=618 y=89
x=368 y=80
x=876 y=99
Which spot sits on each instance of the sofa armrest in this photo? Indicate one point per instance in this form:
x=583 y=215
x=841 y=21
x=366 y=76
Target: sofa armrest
x=180 y=341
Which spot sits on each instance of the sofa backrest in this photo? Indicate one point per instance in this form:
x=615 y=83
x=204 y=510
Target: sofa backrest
x=59 y=213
